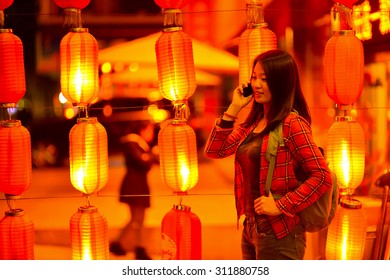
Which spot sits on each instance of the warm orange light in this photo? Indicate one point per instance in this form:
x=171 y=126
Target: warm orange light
x=79 y=67
x=347 y=233
x=70 y=112
x=181 y=235
x=106 y=67
x=346 y=153
x=15 y=159
x=107 y=110
x=12 y=78
x=256 y=39
x=89 y=235
x=88 y=154
x=16 y=236
x=343 y=61
x=175 y=62
x=178 y=156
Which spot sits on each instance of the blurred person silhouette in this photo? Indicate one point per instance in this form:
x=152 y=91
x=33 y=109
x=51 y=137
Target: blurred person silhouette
x=140 y=154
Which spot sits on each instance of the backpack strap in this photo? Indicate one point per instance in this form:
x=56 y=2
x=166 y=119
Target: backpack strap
x=274 y=141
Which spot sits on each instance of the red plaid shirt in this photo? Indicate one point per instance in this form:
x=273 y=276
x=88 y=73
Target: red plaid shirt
x=299 y=150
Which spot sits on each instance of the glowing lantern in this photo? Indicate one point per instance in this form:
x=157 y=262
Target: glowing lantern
x=15 y=160
x=181 y=235
x=343 y=60
x=3 y=5
x=178 y=156
x=16 y=236
x=174 y=55
x=256 y=39
x=172 y=4
x=89 y=235
x=347 y=233
x=88 y=154
x=76 y=4
x=12 y=78
x=347 y=3
x=346 y=153
x=79 y=67
x=175 y=65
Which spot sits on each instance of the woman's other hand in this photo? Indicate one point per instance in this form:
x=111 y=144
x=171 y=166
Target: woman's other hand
x=266 y=205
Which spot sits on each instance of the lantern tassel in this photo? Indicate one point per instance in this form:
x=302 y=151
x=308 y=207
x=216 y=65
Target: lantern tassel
x=11 y=201
x=72 y=18
x=88 y=204
x=182 y=111
x=11 y=204
x=1 y=19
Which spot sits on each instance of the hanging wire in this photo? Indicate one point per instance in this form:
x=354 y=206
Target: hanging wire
x=11 y=202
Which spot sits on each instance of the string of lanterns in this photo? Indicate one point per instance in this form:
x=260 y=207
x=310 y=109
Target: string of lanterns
x=181 y=229
x=16 y=228
x=344 y=77
x=88 y=144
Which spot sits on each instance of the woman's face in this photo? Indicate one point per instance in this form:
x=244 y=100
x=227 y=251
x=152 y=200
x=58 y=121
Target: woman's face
x=261 y=92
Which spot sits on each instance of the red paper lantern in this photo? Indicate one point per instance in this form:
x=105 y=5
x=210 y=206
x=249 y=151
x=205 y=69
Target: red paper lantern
x=347 y=3
x=89 y=234
x=175 y=65
x=77 y=4
x=15 y=160
x=181 y=235
x=88 y=155
x=79 y=67
x=178 y=156
x=346 y=236
x=344 y=68
x=345 y=151
x=16 y=236
x=5 y=4
x=172 y=4
x=12 y=78
x=256 y=39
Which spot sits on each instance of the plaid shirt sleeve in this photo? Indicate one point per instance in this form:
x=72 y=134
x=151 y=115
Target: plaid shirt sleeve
x=223 y=141
x=304 y=153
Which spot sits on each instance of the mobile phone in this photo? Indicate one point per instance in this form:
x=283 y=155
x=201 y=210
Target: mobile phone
x=247 y=90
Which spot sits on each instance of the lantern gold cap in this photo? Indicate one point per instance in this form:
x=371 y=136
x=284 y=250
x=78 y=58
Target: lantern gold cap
x=79 y=30
x=14 y=212
x=344 y=32
x=11 y=123
x=344 y=119
x=11 y=196
x=87 y=120
x=350 y=203
x=8 y=105
x=5 y=30
x=181 y=207
x=88 y=209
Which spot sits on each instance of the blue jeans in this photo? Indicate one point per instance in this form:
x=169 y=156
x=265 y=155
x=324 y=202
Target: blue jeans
x=258 y=242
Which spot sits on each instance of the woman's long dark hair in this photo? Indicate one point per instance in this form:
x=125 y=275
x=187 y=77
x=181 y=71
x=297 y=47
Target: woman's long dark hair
x=284 y=84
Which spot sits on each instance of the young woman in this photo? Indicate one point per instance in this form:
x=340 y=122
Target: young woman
x=272 y=228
